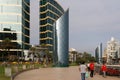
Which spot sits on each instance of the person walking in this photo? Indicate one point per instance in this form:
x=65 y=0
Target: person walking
x=88 y=66
x=91 y=68
x=83 y=69
x=104 y=69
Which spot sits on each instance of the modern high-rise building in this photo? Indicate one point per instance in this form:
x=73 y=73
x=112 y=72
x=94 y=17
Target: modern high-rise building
x=60 y=40
x=50 y=11
x=98 y=53
x=14 y=24
x=54 y=22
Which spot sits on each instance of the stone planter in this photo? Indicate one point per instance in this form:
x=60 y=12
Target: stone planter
x=8 y=71
x=24 y=67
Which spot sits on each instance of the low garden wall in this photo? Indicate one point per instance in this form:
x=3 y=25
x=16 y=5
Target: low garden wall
x=17 y=73
x=10 y=70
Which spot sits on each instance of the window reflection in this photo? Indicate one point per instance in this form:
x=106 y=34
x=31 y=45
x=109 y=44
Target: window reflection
x=12 y=35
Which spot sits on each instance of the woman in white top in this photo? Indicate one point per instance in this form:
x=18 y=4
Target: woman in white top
x=83 y=69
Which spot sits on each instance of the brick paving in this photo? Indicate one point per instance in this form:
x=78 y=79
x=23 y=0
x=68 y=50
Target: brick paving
x=71 y=73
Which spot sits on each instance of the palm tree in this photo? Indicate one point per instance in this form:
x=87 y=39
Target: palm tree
x=45 y=49
x=48 y=56
x=32 y=52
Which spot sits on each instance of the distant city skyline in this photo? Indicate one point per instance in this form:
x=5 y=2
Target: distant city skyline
x=91 y=22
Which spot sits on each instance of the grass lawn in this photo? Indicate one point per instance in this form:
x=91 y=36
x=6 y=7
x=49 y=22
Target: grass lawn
x=19 y=68
x=2 y=76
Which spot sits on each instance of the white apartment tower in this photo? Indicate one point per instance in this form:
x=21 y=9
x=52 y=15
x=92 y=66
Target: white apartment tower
x=113 y=51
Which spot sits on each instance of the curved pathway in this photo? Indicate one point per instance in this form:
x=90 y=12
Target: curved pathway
x=71 y=73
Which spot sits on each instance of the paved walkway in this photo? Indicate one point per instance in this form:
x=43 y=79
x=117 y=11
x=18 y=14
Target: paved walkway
x=71 y=73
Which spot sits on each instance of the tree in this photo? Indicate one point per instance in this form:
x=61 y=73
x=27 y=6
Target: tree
x=86 y=57
x=47 y=53
x=6 y=45
x=32 y=52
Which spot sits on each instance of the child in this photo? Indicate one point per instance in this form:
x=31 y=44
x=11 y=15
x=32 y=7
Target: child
x=104 y=69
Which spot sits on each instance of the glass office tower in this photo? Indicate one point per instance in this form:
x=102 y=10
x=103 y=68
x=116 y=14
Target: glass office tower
x=56 y=40
x=50 y=11
x=14 y=24
x=61 y=40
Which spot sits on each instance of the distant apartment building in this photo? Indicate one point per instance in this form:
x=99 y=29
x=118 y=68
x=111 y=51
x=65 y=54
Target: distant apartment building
x=98 y=53
x=112 y=51
x=14 y=24
x=54 y=29
x=72 y=55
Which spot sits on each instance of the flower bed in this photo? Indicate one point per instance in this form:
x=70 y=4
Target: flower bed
x=112 y=70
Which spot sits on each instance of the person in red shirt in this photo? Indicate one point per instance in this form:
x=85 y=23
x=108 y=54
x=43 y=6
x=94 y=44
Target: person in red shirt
x=91 y=69
x=104 y=69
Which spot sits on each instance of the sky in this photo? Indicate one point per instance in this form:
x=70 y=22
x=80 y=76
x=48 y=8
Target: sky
x=91 y=22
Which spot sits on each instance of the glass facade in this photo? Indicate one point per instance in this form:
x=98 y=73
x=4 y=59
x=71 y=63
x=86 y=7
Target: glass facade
x=50 y=11
x=61 y=40
x=54 y=23
x=14 y=23
x=25 y=24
